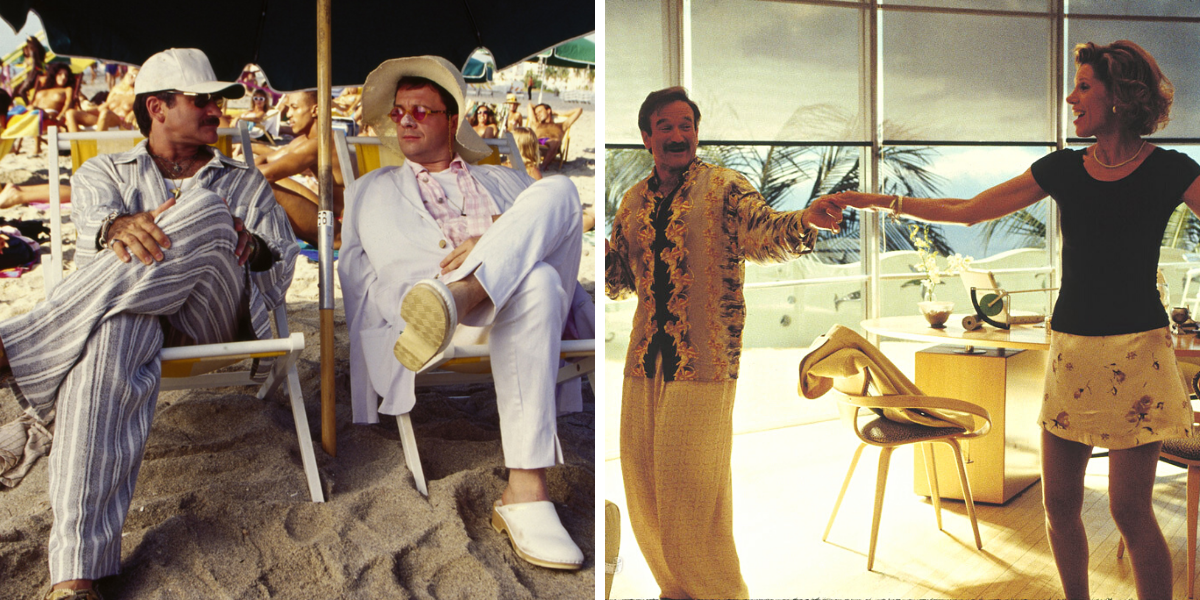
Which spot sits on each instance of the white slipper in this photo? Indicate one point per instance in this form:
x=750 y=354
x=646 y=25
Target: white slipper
x=537 y=535
x=430 y=319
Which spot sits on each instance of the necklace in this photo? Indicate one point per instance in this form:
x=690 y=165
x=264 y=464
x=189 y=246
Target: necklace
x=175 y=169
x=1096 y=157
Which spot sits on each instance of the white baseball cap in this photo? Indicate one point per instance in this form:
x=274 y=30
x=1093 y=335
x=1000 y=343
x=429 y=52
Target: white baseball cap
x=184 y=70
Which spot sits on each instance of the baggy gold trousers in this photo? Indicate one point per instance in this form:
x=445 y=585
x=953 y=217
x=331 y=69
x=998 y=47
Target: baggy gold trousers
x=676 y=443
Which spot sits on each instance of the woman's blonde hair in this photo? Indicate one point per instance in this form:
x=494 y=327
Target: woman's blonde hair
x=1142 y=94
x=527 y=144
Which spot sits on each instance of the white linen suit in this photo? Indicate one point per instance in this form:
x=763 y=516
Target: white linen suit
x=528 y=262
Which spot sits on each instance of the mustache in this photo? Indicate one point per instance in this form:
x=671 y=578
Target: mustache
x=212 y=121
x=676 y=146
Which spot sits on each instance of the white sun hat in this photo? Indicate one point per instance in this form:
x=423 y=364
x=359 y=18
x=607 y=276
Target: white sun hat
x=379 y=95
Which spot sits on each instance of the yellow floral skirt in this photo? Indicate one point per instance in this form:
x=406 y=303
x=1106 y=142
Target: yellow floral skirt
x=1115 y=391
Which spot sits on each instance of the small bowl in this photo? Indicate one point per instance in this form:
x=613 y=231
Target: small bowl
x=936 y=312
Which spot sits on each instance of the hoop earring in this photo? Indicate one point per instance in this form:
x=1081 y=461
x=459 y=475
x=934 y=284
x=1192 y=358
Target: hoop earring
x=1114 y=109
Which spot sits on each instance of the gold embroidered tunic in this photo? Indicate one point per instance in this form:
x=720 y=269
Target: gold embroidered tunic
x=683 y=253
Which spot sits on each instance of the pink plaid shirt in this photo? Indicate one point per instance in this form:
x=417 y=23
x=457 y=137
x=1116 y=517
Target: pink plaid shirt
x=461 y=223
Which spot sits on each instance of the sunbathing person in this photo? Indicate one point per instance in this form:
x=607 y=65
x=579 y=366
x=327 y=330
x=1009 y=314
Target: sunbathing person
x=512 y=113
x=260 y=105
x=292 y=170
x=483 y=121
x=20 y=195
x=551 y=133
x=348 y=101
x=57 y=96
x=115 y=112
x=52 y=99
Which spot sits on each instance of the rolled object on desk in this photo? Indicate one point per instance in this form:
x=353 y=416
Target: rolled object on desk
x=1026 y=319
x=971 y=323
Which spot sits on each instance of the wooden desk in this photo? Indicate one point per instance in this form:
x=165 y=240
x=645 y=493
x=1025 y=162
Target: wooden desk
x=1003 y=372
x=1021 y=337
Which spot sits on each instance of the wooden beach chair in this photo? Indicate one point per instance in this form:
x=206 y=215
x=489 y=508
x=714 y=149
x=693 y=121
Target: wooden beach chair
x=458 y=364
x=273 y=361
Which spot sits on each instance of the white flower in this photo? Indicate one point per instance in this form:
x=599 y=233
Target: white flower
x=929 y=266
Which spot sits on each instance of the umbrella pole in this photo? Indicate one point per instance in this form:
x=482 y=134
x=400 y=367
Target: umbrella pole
x=325 y=225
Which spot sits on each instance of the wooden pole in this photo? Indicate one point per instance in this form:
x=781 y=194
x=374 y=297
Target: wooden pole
x=325 y=224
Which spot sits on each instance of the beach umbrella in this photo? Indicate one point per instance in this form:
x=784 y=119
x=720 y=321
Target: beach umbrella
x=478 y=71
x=575 y=54
x=279 y=38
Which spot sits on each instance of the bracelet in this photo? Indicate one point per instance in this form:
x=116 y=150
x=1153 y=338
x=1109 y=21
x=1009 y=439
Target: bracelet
x=102 y=235
x=896 y=208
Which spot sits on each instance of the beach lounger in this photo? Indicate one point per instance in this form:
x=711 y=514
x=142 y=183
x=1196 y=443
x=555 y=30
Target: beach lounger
x=273 y=361
x=458 y=364
x=369 y=154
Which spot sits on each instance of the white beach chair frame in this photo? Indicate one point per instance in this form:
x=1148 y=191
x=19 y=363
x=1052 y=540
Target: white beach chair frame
x=285 y=348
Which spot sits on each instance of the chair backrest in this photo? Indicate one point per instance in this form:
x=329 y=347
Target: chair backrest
x=370 y=154
x=85 y=145
x=844 y=359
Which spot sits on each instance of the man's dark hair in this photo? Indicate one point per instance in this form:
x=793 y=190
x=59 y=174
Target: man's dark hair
x=99 y=97
x=309 y=96
x=661 y=98
x=142 y=115
x=412 y=82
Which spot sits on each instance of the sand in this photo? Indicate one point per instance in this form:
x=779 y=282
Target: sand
x=222 y=510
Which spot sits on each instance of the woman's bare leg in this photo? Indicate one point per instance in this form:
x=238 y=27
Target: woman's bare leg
x=1130 y=486
x=1063 y=466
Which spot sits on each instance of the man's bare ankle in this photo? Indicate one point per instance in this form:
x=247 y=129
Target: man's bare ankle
x=467 y=293
x=73 y=584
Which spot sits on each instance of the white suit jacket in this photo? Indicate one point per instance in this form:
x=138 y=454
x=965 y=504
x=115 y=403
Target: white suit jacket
x=389 y=243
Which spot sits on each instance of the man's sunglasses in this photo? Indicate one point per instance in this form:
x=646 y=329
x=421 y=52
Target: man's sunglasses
x=203 y=100
x=418 y=112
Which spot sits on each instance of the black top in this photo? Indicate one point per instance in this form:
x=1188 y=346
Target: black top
x=662 y=286
x=1111 y=232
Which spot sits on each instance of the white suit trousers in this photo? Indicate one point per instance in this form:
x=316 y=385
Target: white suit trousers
x=92 y=348
x=528 y=262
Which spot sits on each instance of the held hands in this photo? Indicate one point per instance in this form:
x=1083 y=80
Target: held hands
x=859 y=200
x=823 y=213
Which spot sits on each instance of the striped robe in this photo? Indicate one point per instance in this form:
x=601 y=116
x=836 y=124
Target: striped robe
x=89 y=353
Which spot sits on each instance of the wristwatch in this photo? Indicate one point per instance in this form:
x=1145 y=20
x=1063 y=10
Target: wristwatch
x=102 y=235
